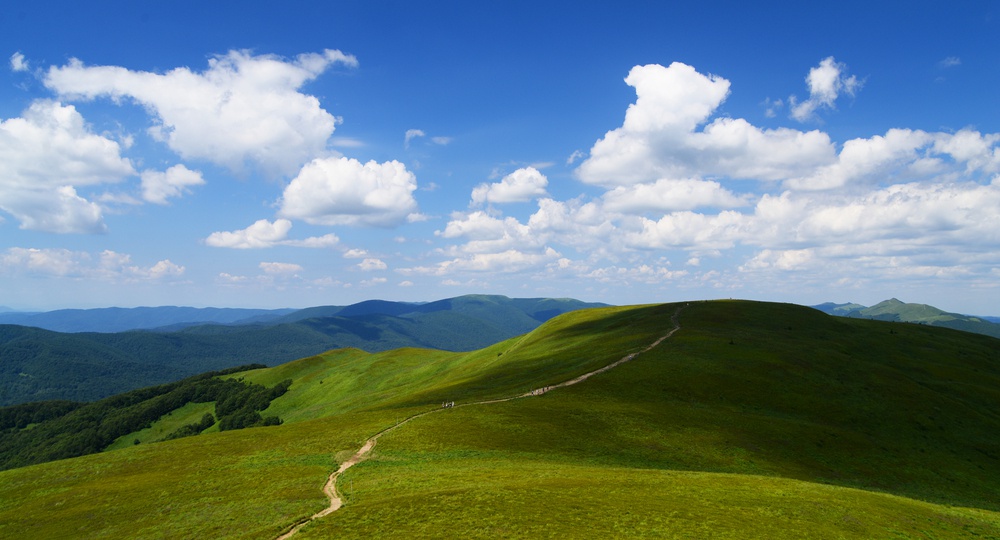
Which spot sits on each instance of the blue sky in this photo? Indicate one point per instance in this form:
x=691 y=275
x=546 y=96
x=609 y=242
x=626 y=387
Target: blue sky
x=241 y=155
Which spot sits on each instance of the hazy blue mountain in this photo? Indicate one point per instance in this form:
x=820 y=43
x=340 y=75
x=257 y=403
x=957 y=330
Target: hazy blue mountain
x=122 y=319
x=896 y=310
x=37 y=364
x=840 y=310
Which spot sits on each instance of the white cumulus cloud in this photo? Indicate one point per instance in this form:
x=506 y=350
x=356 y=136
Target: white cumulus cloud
x=977 y=151
x=157 y=186
x=265 y=234
x=521 y=185
x=903 y=154
x=827 y=82
x=343 y=191
x=903 y=204
x=488 y=234
x=242 y=109
x=369 y=265
x=45 y=155
x=163 y=269
x=861 y=158
x=660 y=136
x=355 y=253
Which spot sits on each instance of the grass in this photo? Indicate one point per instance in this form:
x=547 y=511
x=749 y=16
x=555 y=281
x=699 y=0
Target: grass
x=350 y=379
x=238 y=484
x=753 y=421
x=167 y=424
x=479 y=497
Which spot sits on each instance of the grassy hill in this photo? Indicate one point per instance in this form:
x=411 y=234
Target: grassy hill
x=38 y=365
x=754 y=420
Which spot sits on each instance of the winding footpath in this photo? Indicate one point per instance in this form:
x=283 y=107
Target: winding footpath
x=330 y=488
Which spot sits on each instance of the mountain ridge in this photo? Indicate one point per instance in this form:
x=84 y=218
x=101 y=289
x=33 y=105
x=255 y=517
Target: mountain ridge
x=38 y=364
x=895 y=310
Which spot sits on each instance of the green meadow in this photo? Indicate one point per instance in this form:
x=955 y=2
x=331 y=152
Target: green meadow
x=754 y=420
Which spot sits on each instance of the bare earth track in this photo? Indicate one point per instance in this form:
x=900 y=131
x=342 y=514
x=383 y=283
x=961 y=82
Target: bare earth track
x=330 y=488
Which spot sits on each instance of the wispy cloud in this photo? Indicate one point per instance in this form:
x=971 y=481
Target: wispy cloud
x=412 y=134
x=107 y=265
x=951 y=61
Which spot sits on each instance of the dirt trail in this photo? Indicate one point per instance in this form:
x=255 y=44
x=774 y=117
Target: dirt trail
x=330 y=488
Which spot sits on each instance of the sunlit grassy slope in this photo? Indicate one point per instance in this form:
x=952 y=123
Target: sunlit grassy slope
x=755 y=420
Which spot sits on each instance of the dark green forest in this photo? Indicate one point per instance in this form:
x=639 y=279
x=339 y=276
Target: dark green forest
x=46 y=431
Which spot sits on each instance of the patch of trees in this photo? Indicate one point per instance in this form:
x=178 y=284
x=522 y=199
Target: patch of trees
x=21 y=416
x=36 y=433
x=240 y=409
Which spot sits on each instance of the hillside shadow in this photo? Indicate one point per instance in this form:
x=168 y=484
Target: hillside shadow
x=644 y=319
x=334 y=325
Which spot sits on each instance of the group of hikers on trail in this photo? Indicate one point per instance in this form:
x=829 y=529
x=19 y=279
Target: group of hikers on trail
x=540 y=391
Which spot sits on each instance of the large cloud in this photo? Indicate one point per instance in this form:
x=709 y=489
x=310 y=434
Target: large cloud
x=243 y=108
x=45 y=155
x=906 y=203
x=343 y=191
x=660 y=136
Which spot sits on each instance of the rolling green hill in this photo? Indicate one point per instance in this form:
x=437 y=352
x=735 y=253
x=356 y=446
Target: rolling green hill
x=38 y=365
x=753 y=420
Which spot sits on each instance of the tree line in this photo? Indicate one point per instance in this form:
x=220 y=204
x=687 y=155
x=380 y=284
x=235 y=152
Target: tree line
x=38 y=432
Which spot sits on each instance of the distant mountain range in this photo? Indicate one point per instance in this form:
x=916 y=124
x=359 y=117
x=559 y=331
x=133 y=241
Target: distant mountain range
x=896 y=310
x=141 y=318
x=39 y=364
